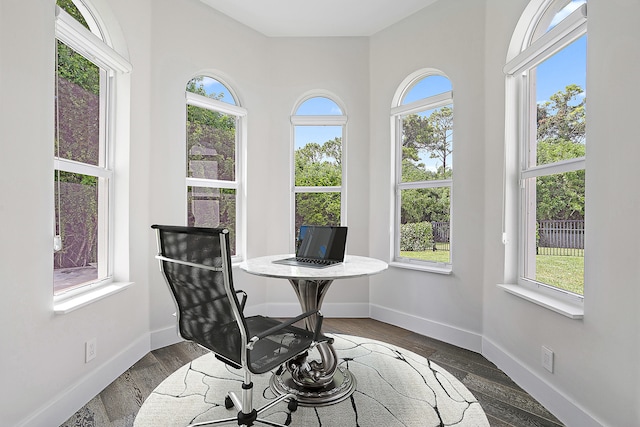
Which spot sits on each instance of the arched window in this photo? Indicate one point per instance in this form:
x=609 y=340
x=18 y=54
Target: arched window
x=546 y=145
x=422 y=118
x=319 y=124
x=87 y=70
x=214 y=157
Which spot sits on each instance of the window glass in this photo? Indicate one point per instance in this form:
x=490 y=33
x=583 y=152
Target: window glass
x=78 y=107
x=69 y=7
x=211 y=88
x=424 y=88
x=82 y=177
x=561 y=106
x=553 y=140
x=211 y=144
x=318 y=105
x=212 y=159
x=565 y=11
x=424 y=181
x=318 y=166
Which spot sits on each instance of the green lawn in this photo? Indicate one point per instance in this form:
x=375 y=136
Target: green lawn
x=564 y=272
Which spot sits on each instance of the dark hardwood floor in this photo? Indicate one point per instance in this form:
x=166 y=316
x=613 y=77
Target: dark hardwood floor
x=503 y=401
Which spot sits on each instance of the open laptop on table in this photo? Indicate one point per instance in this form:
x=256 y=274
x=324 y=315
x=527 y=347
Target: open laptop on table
x=318 y=247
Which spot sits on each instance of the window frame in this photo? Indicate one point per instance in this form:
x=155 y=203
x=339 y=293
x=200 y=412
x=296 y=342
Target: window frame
x=113 y=67
x=398 y=111
x=240 y=115
x=317 y=120
x=536 y=47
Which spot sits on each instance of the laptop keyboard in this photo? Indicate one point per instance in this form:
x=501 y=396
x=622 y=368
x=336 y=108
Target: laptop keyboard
x=317 y=261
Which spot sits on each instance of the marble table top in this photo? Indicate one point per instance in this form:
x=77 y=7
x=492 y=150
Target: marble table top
x=353 y=266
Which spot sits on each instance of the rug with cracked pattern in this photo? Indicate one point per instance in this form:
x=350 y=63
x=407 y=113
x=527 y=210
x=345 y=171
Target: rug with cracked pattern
x=394 y=387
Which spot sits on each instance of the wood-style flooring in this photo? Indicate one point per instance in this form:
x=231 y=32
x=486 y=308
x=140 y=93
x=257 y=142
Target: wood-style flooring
x=503 y=401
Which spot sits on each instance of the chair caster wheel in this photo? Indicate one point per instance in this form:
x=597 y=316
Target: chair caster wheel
x=228 y=403
x=293 y=405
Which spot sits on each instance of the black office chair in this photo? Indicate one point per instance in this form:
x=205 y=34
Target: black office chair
x=196 y=264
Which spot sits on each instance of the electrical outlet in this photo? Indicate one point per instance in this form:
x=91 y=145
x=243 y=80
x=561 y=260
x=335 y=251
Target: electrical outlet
x=90 y=350
x=547 y=358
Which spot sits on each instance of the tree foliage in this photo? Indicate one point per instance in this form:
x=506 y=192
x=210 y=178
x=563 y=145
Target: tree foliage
x=561 y=136
x=318 y=165
x=426 y=136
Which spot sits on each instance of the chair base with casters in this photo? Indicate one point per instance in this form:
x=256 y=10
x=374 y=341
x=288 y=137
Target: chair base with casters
x=250 y=418
x=196 y=265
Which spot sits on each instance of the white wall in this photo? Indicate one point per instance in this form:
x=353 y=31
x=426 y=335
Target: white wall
x=270 y=76
x=596 y=365
x=42 y=365
x=447 y=36
x=596 y=372
x=169 y=42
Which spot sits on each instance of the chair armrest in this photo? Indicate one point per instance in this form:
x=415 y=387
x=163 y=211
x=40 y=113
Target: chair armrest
x=287 y=323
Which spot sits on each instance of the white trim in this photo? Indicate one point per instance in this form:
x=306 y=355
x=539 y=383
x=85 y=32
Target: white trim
x=419 y=265
x=441 y=183
x=319 y=93
x=319 y=120
x=463 y=338
x=213 y=104
x=566 y=32
x=81 y=168
x=74 y=34
x=318 y=189
x=211 y=183
x=570 y=165
x=572 y=310
x=164 y=337
x=430 y=103
x=68 y=303
x=65 y=403
x=570 y=413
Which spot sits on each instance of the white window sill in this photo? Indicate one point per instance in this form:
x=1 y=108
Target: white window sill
x=75 y=302
x=439 y=268
x=566 y=308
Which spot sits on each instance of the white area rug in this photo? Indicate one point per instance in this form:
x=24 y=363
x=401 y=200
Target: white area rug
x=395 y=387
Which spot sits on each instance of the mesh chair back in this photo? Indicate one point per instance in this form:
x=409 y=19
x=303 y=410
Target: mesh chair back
x=205 y=310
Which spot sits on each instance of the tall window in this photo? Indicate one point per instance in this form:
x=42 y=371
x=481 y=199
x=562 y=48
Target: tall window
x=547 y=80
x=213 y=157
x=86 y=73
x=319 y=130
x=423 y=123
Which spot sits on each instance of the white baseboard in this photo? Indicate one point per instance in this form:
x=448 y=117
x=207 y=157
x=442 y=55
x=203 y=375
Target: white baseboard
x=557 y=403
x=440 y=331
x=164 y=337
x=67 y=402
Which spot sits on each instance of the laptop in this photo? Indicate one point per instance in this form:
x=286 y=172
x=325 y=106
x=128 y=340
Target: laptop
x=318 y=247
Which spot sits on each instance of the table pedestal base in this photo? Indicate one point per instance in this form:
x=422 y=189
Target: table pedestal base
x=341 y=387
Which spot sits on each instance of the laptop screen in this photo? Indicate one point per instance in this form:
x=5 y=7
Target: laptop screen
x=321 y=242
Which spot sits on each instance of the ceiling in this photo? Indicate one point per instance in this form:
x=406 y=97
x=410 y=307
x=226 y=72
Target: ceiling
x=303 y=18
